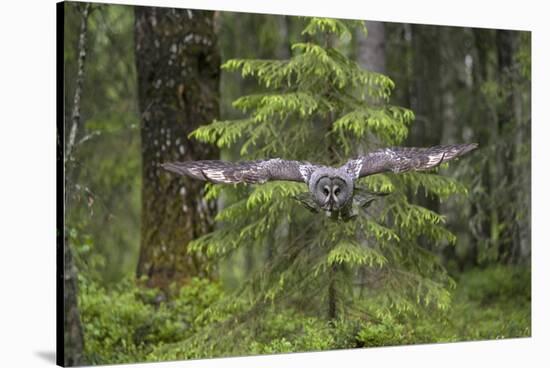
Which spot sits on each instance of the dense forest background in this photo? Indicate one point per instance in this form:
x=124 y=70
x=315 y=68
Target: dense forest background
x=158 y=273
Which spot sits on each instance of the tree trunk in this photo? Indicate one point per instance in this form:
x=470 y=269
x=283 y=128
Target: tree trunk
x=73 y=338
x=505 y=42
x=480 y=73
x=178 y=68
x=371 y=48
x=371 y=55
x=522 y=114
x=284 y=50
x=73 y=335
x=426 y=99
x=427 y=60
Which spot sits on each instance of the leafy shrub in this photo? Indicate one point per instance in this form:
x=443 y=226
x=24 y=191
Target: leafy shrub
x=498 y=284
x=493 y=303
x=129 y=323
x=125 y=324
x=386 y=332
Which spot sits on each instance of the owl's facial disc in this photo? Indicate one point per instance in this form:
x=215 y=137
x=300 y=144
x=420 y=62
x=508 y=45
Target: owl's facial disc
x=332 y=193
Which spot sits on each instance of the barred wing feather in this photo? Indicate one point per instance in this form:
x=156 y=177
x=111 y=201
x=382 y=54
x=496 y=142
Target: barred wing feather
x=258 y=171
x=402 y=159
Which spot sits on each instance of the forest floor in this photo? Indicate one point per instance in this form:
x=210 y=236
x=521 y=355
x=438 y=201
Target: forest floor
x=494 y=303
x=123 y=325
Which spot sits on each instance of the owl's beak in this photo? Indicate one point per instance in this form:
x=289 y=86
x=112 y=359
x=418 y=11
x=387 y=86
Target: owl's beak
x=327 y=203
x=334 y=195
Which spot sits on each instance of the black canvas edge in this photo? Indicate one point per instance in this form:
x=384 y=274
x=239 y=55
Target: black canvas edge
x=60 y=190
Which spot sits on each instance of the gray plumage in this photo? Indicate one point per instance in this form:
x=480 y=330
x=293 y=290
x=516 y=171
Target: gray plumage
x=330 y=189
x=252 y=172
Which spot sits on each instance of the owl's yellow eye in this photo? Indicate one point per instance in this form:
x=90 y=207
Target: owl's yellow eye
x=326 y=190
x=336 y=190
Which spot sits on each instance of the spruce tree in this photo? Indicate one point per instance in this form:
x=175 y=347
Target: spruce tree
x=319 y=106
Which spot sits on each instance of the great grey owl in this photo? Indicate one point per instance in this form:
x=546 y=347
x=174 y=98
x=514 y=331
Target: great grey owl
x=330 y=189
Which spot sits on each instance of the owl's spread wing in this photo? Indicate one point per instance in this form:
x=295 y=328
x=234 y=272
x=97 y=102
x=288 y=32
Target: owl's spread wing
x=243 y=172
x=401 y=159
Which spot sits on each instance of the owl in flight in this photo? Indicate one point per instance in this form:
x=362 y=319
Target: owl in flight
x=330 y=189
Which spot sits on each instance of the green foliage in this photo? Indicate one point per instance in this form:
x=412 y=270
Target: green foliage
x=488 y=304
x=127 y=323
x=498 y=284
x=386 y=332
x=353 y=254
x=338 y=27
x=491 y=303
x=387 y=123
x=282 y=331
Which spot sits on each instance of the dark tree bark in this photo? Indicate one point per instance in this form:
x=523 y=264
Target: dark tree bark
x=178 y=87
x=73 y=343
